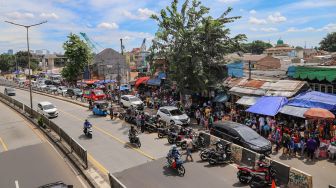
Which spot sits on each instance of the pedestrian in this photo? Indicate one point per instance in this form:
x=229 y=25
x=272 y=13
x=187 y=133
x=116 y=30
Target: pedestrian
x=261 y=123
x=277 y=139
x=111 y=112
x=189 y=149
x=285 y=142
x=211 y=121
x=311 y=146
x=142 y=122
x=198 y=116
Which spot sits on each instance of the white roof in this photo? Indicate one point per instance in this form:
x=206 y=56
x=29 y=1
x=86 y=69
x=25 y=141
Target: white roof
x=169 y=107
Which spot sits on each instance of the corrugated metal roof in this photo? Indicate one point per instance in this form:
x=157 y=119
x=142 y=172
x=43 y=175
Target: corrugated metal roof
x=252 y=83
x=247 y=100
x=247 y=91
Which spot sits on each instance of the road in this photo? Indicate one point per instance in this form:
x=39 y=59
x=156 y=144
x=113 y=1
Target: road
x=110 y=148
x=26 y=158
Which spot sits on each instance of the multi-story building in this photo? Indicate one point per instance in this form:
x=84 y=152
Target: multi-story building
x=281 y=49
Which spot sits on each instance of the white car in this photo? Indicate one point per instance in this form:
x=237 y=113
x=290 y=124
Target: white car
x=47 y=109
x=61 y=90
x=41 y=87
x=173 y=116
x=131 y=101
x=51 y=88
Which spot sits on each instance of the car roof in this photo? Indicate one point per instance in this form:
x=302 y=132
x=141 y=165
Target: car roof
x=128 y=96
x=169 y=107
x=44 y=103
x=227 y=124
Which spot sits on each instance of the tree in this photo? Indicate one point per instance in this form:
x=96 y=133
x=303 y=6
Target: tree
x=329 y=43
x=256 y=47
x=22 y=60
x=7 y=62
x=193 y=43
x=78 y=56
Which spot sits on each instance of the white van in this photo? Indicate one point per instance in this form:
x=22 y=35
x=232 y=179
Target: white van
x=47 y=109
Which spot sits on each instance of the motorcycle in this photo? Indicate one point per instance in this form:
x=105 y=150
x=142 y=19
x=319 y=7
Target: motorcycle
x=88 y=132
x=151 y=124
x=135 y=140
x=163 y=132
x=244 y=173
x=204 y=154
x=219 y=157
x=262 y=179
x=197 y=143
x=176 y=165
x=177 y=138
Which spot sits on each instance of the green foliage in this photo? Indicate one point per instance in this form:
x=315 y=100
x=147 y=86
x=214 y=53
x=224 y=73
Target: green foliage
x=329 y=43
x=193 y=43
x=256 y=47
x=78 y=56
x=7 y=62
x=22 y=60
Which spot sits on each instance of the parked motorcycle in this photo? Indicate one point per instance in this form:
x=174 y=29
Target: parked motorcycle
x=88 y=132
x=197 y=143
x=163 y=132
x=176 y=165
x=244 y=173
x=221 y=156
x=135 y=140
x=262 y=179
x=177 y=138
x=204 y=154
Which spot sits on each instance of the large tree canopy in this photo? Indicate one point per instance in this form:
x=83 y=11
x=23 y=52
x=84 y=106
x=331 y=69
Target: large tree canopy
x=256 y=47
x=78 y=56
x=194 y=43
x=7 y=62
x=329 y=43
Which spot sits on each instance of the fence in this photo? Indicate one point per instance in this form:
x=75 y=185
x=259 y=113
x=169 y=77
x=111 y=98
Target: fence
x=114 y=182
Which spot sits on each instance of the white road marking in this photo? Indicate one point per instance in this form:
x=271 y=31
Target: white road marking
x=17 y=184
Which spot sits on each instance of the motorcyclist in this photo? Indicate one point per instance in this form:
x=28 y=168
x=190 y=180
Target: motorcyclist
x=174 y=153
x=87 y=125
x=111 y=112
x=90 y=104
x=132 y=132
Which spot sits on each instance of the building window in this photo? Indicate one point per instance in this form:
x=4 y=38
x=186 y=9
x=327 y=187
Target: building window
x=330 y=89
x=316 y=87
x=323 y=88
x=312 y=86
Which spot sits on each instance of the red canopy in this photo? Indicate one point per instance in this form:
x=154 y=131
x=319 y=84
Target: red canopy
x=141 y=80
x=318 y=113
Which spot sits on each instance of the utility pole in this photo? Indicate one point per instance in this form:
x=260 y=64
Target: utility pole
x=249 y=66
x=29 y=74
x=118 y=64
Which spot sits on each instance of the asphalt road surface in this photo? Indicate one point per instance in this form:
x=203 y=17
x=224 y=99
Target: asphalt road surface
x=26 y=158
x=109 y=145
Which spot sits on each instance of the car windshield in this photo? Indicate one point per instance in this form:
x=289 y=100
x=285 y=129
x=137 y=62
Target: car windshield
x=247 y=133
x=134 y=99
x=176 y=112
x=77 y=90
x=98 y=92
x=48 y=107
x=10 y=89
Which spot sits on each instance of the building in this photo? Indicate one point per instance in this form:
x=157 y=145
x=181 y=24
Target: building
x=105 y=65
x=320 y=78
x=10 y=52
x=281 y=49
x=268 y=63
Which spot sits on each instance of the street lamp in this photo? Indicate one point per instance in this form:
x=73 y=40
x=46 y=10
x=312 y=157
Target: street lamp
x=30 y=85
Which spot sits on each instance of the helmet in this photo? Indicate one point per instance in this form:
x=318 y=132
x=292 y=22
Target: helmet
x=174 y=147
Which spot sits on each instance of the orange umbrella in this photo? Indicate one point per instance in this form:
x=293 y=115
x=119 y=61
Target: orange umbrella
x=318 y=113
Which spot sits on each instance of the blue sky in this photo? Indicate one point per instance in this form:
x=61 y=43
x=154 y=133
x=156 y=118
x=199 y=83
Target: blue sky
x=106 y=21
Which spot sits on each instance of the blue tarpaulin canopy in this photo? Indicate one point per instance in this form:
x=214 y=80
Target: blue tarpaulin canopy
x=268 y=106
x=236 y=69
x=124 y=87
x=314 y=99
x=162 y=75
x=154 y=82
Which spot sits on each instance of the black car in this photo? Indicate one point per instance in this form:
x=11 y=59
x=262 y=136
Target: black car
x=74 y=92
x=242 y=135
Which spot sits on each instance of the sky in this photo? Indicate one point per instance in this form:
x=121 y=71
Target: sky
x=297 y=22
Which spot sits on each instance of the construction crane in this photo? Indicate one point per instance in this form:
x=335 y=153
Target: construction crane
x=90 y=42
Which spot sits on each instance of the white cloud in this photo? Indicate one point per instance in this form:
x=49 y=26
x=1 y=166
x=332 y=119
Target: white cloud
x=49 y=15
x=276 y=18
x=18 y=15
x=142 y=14
x=253 y=11
x=254 y=20
x=253 y=29
x=329 y=28
x=105 y=25
x=269 y=29
x=228 y=1
x=241 y=10
x=307 y=29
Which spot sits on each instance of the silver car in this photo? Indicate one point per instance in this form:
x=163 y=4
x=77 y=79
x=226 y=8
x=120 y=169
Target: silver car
x=9 y=91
